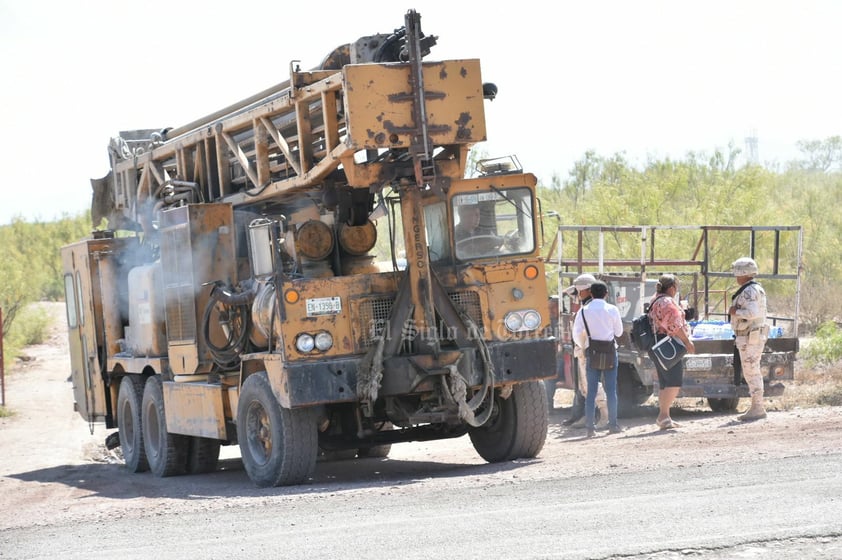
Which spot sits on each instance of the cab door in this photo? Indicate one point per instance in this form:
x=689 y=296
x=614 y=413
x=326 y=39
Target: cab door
x=88 y=384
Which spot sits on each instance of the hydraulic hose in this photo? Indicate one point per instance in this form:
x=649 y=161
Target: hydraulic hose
x=237 y=311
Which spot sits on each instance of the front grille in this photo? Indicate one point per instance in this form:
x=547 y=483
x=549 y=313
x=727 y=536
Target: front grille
x=374 y=314
x=468 y=303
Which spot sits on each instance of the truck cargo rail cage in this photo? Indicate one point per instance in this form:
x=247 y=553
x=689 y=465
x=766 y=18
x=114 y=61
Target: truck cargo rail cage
x=629 y=259
x=702 y=254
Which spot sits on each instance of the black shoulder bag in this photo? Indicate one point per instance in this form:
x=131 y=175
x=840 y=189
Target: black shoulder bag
x=642 y=334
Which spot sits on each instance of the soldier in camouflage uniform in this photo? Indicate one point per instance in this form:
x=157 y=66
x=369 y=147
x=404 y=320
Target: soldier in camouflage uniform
x=748 y=319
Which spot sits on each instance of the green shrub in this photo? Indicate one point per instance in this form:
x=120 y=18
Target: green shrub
x=826 y=348
x=30 y=327
x=830 y=397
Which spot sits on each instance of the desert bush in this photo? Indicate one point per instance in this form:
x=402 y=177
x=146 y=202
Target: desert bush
x=826 y=347
x=30 y=327
x=831 y=396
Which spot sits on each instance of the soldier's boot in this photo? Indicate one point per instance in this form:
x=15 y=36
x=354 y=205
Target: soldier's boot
x=602 y=410
x=756 y=412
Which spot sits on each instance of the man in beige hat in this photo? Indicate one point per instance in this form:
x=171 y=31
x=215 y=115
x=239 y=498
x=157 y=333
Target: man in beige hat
x=748 y=319
x=581 y=288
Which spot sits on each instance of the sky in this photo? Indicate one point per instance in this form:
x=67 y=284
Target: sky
x=649 y=79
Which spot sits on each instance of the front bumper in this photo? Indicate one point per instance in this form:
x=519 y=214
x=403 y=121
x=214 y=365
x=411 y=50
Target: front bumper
x=335 y=381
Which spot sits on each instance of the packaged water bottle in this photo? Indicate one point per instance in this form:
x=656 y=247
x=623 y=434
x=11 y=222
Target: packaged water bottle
x=703 y=331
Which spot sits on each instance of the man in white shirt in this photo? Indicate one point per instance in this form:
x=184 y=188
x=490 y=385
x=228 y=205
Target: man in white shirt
x=581 y=289
x=600 y=320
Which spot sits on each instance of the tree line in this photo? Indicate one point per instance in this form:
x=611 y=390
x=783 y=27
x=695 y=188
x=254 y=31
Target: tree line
x=716 y=189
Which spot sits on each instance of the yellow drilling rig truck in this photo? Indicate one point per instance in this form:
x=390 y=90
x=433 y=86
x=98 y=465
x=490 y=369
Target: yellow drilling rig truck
x=314 y=272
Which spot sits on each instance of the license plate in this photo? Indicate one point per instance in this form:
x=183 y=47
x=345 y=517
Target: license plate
x=324 y=306
x=697 y=364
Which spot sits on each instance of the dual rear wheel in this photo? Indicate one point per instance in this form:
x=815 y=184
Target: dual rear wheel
x=144 y=439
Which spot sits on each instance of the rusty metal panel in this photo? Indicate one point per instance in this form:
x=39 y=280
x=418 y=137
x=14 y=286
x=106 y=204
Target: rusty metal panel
x=323 y=305
x=378 y=104
x=194 y=409
x=197 y=247
x=232 y=401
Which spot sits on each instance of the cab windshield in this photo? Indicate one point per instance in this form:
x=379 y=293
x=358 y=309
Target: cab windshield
x=493 y=223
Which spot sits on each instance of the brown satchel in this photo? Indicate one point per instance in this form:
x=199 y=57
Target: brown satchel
x=601 y=353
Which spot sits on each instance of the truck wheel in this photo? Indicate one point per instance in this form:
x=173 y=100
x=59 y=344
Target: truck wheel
x=631 y=393
x=166 y=452
x=129 y=423
x=550 y=387
x=724 y=405
x=278 y=445
x=517 y=427
x=378 y=451
x=202 y=455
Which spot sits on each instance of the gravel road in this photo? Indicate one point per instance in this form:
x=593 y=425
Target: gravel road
x=715 y=488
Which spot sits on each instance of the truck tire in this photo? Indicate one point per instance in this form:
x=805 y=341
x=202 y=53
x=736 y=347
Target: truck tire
x=724 y=405
x=377 y=451
x=550 y=387
x=129 y=424
x=202 y=455
x=166 y=452
x=517 y=427
x=279 y=446
x=631 y=393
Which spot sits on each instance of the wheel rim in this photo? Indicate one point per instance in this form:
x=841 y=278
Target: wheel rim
x=128 y=427
x=259 y=433
x=494 y=422
x=153 y=438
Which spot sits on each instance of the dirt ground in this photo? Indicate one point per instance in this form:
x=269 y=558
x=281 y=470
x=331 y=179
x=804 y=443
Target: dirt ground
x=53 y=469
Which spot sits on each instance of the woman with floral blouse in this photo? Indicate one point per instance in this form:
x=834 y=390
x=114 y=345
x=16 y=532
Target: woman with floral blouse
x=668 y=320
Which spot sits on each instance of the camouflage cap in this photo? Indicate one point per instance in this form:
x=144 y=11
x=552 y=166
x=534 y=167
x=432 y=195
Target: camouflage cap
x=744 y=266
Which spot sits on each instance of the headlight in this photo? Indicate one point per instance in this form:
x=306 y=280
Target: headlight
x=523 y=320
x=324 y=341
x=514 y=322
x=305 y=343
x=531 y=320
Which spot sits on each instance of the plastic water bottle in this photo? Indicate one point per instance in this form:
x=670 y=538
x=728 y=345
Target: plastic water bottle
x=711 y=330
x=704 y=331
x=700 y=331
x=776 y=332
x=725 y=331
